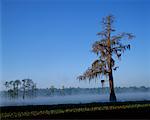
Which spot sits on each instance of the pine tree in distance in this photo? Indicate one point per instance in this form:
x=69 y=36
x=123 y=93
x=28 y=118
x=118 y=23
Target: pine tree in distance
x=108 y=49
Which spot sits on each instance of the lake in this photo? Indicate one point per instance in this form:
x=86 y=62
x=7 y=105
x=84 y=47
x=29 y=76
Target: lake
x=70 y=99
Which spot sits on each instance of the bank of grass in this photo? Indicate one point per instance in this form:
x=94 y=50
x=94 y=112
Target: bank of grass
x=73 y=110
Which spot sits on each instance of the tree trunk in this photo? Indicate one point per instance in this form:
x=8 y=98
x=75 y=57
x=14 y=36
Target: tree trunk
x=112 y=97
x=23 y=93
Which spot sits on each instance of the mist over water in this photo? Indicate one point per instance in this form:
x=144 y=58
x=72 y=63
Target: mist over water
x=75 y=99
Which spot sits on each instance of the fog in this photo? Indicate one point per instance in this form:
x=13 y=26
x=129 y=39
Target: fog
x=70 y=99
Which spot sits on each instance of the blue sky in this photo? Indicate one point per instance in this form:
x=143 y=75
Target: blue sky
x=50 y=41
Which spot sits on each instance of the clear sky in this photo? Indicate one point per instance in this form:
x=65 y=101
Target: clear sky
x=50 y=41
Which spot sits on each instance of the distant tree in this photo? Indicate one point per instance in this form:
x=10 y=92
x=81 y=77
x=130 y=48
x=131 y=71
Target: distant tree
x=24 y=87
x=70 y=90
x=63 y=90
x=12 y=89
x=34 y=89
x=28 y=87
x=52 y=89
x=17 y=83
x=108 y=46
x=29 y=84
x=11 y=93
x=7 y=86
x=11 y=84
x=9 y=89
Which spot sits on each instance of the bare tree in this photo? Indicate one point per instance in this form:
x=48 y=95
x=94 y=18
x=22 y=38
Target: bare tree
x=106 y=48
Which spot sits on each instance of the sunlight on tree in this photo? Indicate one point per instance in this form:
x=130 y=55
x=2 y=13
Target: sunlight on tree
x=106 y=48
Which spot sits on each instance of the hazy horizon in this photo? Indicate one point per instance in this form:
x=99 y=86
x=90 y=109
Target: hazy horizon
x=50 y=41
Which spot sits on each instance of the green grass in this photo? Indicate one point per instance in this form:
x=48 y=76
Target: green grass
x=34 y=113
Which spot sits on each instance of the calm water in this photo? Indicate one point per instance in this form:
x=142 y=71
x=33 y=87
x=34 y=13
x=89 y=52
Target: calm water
x=75 y=99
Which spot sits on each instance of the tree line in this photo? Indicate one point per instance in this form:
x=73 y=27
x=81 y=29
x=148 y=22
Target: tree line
x=20 y=88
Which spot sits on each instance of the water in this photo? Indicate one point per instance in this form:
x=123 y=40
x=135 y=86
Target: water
x=75 y=99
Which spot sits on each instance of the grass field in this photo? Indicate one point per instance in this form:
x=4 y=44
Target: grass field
x=138 y=109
